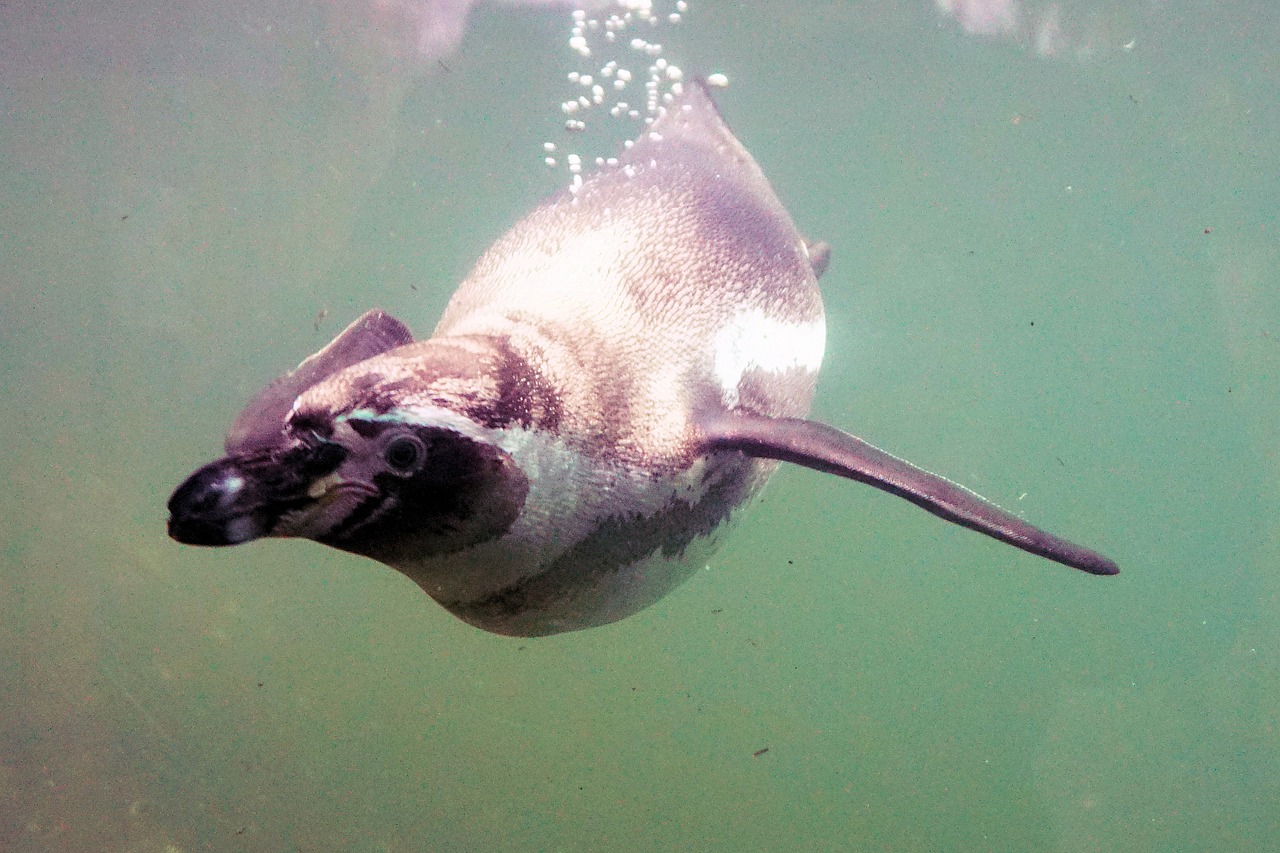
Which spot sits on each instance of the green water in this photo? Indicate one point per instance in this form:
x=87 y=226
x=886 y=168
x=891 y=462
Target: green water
x=1054 y=280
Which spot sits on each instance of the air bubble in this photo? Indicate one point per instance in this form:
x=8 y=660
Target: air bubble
x=609 y=46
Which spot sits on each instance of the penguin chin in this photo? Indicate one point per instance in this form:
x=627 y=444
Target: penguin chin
x=334 y=507
x=465 y=491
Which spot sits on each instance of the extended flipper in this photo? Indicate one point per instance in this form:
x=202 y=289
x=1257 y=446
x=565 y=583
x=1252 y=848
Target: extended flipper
x=825 y=448
x=259 y=423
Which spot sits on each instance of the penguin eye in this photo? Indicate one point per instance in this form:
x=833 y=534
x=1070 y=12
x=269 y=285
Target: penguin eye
x=404 y=454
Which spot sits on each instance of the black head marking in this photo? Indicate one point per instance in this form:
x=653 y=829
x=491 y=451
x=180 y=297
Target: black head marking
x=452 y=492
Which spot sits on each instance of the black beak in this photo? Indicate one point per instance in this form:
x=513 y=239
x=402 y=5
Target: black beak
x=241 y=498
x=218 y=505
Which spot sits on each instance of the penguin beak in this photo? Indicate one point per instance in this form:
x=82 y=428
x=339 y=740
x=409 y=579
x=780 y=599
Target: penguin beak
x=239 y=499
x=218 y=505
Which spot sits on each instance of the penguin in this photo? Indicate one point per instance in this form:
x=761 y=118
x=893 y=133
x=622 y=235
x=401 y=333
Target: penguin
x=619 y=375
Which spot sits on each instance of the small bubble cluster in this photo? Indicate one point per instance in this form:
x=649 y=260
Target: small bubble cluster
x=606 y=46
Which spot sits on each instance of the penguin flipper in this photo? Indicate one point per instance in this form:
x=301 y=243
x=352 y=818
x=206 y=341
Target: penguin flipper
x=259 y=423
x=832 y=451
x=819 y=252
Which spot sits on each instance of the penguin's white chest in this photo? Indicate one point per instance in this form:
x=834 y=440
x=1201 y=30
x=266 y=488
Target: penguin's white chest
x=596 y=540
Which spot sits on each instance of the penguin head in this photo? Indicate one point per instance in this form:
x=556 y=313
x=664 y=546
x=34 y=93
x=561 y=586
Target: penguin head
x=383 y=457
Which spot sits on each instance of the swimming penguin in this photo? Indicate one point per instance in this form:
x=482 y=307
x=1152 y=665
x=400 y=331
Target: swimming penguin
x=620 y=373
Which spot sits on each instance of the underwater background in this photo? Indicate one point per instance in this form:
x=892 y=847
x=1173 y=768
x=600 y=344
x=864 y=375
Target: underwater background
x=1054 y=279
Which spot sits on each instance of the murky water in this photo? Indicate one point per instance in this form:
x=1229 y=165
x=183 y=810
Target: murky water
x=1054 y=279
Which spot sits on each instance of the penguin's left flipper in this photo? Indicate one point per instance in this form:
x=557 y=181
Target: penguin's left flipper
x=819 y=252
x=825 y=448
